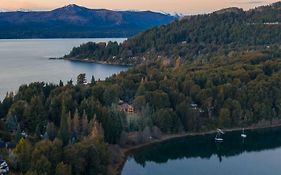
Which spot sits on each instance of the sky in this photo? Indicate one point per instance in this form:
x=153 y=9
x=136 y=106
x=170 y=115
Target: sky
x=179 y=6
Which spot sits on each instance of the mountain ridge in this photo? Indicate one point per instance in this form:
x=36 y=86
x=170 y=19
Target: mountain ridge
x=73 y=21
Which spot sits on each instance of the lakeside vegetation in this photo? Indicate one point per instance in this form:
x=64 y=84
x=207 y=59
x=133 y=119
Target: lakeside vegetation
x=78 y=128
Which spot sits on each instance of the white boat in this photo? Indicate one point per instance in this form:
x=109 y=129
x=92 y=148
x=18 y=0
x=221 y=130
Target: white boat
x=243 y=135
x=218 y=137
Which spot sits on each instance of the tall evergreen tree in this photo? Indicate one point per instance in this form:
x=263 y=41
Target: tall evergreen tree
x=64 y=134
x=93 y=80
x=76 y=123
x=11 y=122
x=84 y=123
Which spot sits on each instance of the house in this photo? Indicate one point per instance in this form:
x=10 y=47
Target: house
x=125 y=107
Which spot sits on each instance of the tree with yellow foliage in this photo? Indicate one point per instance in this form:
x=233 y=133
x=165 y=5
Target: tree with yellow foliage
x=22 y=153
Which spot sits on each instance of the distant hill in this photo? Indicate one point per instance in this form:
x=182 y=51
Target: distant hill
x=194 y=36
x=74 y=21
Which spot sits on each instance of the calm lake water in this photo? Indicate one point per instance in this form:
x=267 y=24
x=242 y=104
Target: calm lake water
x=258 y=154
x=26 y=61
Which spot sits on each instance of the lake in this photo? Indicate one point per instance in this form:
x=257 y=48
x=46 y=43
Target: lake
x=27 y=60
x=258 y=154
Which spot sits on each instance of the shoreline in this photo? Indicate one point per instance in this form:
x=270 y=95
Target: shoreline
x=117 y=168
x=92 y=61
x=53 y=38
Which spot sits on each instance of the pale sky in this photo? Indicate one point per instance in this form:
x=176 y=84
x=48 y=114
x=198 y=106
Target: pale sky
x=180 y=6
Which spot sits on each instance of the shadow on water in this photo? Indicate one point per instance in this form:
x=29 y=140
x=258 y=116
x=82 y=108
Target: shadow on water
x=205 y=147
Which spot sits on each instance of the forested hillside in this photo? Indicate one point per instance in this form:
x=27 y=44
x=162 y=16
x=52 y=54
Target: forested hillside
x=79 y=127
x=192 y=37
x=238 y=90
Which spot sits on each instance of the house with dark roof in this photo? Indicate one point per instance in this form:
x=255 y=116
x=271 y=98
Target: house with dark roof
x=127 y=108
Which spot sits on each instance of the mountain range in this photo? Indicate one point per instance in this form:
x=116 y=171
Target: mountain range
x=74 y=21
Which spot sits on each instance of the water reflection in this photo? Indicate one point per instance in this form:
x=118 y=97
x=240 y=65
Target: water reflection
x=204 y=147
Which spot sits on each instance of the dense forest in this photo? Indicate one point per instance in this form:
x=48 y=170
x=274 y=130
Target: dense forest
x=79 y=127
x=191 y=37
x=77 y=122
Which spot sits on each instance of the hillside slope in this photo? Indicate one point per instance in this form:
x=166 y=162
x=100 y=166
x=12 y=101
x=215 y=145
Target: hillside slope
x=194 y=36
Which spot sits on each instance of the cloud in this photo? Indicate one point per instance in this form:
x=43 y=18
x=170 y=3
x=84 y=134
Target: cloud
x=249 y=2
x=256 y=2
x=180 y=6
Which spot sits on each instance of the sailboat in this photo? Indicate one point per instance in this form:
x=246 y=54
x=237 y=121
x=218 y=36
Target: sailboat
x=218 y=137
x=243 y=135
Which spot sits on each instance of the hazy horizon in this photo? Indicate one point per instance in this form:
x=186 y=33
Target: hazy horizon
x=179 y=6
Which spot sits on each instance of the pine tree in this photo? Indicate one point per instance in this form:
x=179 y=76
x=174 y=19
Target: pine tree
x=35 y=113
x=93 y=81
x=69 y=122
x=51 y=131
x=70 y=82
x=96 y=129
x=141 y=89
x=84 y=124
x=11 y=122
x=76 y=123
x=61 y=83
x=18 y=133
x=64 y=128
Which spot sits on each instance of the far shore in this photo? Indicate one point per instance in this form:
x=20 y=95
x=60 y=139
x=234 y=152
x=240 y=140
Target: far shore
x=117 y=169
x=91 y=61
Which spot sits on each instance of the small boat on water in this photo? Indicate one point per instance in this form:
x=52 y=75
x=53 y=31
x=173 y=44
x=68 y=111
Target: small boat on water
x=243 y=135
x=218 y=137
